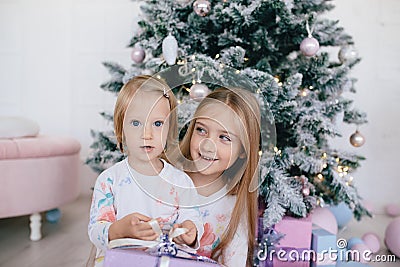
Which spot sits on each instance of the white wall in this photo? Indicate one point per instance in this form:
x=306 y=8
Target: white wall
x=50 y=70
x=50 y=63
x=374 y=25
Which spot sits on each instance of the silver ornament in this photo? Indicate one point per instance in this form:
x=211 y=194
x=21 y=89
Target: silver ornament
x=198 y=91
x=320 y=202
x=357 y=139
x=202 y=7
x=306 y=191
x=347 y=54
x=170 y=49
x=138 y=54
x=309 y=46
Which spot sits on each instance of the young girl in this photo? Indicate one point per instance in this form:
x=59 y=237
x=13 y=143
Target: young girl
x=142 y=187
x=220 y=152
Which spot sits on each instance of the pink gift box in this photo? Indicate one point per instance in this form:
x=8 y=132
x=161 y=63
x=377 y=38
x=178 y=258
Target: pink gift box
x=135 y=257
x=294 y=248
x=298 y=232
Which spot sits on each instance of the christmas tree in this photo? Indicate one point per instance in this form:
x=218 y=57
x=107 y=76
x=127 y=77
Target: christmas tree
x=283 y=47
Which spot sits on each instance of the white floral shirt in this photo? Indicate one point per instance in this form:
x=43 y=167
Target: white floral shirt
x=216 y=216
x=120 y=191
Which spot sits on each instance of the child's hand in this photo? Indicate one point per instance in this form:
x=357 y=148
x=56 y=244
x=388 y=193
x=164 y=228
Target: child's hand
x=188 y=238
x=134 y=225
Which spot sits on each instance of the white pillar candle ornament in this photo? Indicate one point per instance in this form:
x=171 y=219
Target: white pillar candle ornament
x=138 y=54
x=198 y=91
x=170 y=49
x=202 y=7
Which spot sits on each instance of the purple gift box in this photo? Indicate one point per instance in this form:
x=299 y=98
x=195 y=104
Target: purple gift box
x=293 y=249
x=135 y=257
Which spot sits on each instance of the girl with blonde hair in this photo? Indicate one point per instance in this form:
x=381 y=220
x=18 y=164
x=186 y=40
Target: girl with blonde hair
x=143 y=189
x=220 y=152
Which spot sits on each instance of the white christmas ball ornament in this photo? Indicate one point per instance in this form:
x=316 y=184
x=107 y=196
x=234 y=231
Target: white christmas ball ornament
x=198 y=91
x=170 y=49
x=138 y=54
x=357 y=139
x=309 y=46
x=347 y=54
x=202 y=7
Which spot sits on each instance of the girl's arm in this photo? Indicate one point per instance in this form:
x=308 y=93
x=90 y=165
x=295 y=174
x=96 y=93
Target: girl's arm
x=102 y=211
x=104 y=226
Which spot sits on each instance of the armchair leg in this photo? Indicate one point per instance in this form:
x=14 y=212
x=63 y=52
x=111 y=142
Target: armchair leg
x=35 y=225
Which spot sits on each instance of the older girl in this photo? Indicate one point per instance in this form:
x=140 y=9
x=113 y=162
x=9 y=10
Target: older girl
x=220 y=152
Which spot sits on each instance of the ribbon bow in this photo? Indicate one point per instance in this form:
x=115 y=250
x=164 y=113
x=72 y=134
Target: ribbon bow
x=165 y=245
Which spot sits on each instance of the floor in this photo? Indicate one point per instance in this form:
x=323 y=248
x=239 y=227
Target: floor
x=377 y=225
x=66 y=243
x=63 y=244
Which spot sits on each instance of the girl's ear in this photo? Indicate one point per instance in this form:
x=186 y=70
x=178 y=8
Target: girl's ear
x=242 y=155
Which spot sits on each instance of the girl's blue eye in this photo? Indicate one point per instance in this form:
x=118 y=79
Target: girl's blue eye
x=200 y=131
x=225 y=138
x=158 y=123
x=135 y=123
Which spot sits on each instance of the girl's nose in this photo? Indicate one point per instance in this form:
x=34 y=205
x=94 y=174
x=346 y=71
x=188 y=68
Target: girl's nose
x=208 y=147
x=147 y=131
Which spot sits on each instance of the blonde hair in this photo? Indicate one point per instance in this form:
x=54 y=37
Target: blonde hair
x=145 y=83
x=245 y=105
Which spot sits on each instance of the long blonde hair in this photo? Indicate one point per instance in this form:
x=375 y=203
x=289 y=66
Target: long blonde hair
x=245 y=105
x=145 y=83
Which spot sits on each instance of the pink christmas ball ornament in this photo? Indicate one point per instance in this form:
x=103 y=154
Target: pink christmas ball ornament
x=393 y=210
x=138 y=54
x=309 y=46
x=364 y=254
x=392 y=236
x=372 y=241
x=325 y=219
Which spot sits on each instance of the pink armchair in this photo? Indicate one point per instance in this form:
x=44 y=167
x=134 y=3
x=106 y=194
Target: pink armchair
x=37 y=174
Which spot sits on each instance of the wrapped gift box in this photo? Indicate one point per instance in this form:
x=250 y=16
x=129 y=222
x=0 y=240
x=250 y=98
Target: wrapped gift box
x=135 y=257
x=324 y=245
x=293 y=249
